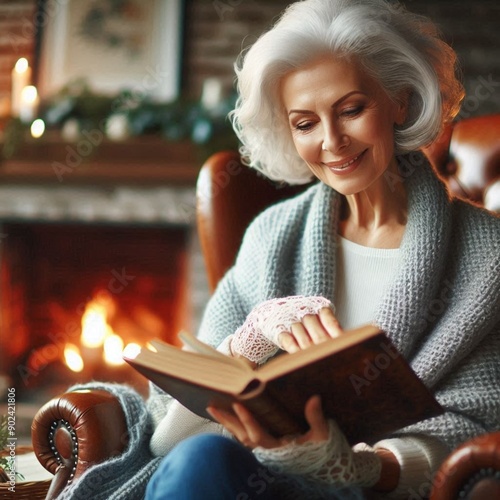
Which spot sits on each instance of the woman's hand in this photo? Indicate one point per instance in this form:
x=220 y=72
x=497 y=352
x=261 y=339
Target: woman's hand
x=313 y=329
x=290 y=323
x=322 y=454
x=250 y=433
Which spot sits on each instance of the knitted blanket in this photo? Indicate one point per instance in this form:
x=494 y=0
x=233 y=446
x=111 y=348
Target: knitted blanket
x=125 y=476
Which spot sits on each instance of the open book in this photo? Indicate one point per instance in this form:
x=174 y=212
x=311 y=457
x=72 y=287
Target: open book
x=364 y=383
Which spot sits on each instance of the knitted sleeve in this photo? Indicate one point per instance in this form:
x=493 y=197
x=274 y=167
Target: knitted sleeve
x=419 y=458
x=265 y=267
x=238 y=291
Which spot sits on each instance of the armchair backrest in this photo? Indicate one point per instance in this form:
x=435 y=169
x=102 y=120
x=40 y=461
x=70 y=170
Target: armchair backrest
x=228 y=196
x=467 y=155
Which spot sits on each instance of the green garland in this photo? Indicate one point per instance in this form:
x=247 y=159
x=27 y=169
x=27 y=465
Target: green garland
x=180 y=120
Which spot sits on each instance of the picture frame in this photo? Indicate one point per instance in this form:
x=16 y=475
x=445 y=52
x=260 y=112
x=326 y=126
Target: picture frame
x=112 y=46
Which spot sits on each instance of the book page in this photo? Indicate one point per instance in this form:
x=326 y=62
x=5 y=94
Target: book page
x=196 y=345
x=220 y=373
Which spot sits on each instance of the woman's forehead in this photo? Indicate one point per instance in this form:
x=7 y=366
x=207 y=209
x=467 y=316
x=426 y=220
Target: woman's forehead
x=326 y=75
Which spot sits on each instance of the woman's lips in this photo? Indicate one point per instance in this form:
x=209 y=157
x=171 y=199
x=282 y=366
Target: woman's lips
x=347 y=165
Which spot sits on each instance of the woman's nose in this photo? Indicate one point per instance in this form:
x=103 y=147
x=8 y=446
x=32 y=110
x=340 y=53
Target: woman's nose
x=335 y=139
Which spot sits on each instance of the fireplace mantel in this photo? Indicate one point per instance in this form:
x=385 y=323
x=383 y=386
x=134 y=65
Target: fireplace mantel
x=93 y=159
x=121 y=204
x=140 y=180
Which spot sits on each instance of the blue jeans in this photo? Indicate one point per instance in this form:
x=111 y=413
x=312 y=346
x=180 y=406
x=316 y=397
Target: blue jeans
x=210 y=467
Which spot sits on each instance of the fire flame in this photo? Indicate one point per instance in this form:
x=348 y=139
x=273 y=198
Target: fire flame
x=73 y=358
x=95 y=327
x=98 y=337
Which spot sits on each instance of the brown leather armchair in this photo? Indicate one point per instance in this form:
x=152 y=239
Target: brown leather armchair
x=67 y=432
x=467 y=156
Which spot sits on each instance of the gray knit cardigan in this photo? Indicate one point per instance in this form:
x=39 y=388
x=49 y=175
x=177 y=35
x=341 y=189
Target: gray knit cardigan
x=442 y=311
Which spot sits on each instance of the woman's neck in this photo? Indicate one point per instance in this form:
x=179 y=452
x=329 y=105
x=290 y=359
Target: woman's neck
x=375 y=217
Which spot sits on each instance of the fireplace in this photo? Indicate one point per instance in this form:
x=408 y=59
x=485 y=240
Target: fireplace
x=74 y=294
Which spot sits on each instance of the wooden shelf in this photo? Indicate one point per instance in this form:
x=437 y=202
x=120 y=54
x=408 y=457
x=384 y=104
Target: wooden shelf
x=139 y=160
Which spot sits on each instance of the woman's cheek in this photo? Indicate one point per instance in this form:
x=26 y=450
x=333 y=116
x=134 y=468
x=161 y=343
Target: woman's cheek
x=307 y=147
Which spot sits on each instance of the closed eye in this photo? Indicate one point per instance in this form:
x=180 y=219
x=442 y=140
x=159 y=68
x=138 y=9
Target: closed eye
x=304 y=125
x=351 y=112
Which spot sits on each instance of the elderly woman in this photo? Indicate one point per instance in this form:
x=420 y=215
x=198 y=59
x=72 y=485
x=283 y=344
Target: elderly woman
x=347 y=91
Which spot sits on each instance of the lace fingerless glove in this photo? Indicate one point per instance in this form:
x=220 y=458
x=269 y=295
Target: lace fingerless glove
x=257 y=338
x=332 y=462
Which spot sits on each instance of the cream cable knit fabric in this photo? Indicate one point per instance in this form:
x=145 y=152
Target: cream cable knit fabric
x=419 y=458
x=332 y=462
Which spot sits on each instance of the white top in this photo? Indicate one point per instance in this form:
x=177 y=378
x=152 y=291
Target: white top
x=363 y=275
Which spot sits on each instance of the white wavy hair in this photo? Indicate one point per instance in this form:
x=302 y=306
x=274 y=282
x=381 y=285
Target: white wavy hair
x=401 y=50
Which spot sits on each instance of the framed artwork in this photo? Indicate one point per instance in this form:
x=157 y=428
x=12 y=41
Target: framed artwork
x=112 y=45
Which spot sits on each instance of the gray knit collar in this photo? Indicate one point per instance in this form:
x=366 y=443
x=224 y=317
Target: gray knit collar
x=423 y=250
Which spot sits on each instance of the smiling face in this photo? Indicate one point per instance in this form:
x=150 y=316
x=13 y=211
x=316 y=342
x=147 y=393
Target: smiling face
x=342 y=123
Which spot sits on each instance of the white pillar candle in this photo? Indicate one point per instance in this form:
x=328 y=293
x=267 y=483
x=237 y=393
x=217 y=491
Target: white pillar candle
x=21 y=77
x=211 y=95
x=29 y=104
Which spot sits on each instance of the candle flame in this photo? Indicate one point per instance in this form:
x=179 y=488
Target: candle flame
x=37 y=128
x=131 y=350
x=21 y=65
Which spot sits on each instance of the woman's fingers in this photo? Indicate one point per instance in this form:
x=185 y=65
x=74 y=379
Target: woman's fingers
x=257 y=435
x=313 y=329
x=287 y=342
x=243 y=426
x=230 y=422
x=302 y=335
x=330 y=322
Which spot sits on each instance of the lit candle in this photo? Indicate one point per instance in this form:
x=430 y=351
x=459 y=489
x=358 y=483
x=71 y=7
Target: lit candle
x=37 y=128
x=21 y=77
x=29 y=104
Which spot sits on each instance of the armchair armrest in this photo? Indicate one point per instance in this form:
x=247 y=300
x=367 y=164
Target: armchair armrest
x=472 y=471
x=75 y=431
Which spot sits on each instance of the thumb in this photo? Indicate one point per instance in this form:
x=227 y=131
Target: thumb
x=315 y=418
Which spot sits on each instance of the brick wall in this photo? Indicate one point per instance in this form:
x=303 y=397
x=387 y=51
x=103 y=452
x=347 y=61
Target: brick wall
x=16 y=40
x=472 y=28
x=216 y=30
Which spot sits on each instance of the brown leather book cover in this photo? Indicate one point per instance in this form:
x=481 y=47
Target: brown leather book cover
x=364 y=383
